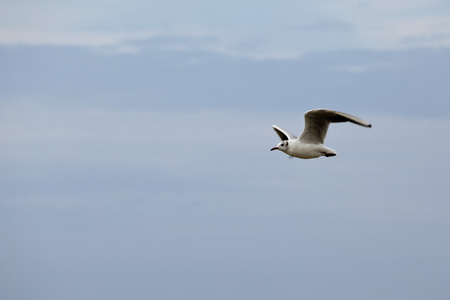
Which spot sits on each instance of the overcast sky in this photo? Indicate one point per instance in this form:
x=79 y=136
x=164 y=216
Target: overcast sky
x=135 y=158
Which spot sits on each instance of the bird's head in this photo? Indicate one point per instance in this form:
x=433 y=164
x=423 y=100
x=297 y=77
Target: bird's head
x=282 y=146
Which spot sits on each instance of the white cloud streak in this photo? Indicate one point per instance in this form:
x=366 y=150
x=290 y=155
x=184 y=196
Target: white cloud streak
x=283 y=33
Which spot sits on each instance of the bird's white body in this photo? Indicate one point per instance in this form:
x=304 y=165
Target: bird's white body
x=310 y=142
x=307 y=151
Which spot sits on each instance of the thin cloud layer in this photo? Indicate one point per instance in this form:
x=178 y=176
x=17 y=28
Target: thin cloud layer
x=254 y=30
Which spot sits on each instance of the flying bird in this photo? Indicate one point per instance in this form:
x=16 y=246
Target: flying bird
x=310 y=143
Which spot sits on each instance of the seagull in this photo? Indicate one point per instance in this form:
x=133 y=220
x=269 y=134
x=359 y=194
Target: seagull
x=310 y=143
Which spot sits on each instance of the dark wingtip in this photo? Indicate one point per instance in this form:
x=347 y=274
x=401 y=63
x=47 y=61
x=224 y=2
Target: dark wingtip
x=370 y=125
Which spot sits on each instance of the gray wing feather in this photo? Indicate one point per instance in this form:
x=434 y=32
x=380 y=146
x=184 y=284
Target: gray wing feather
x=318 y=120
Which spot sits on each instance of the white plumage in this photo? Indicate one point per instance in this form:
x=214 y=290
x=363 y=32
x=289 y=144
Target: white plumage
x=310 y=143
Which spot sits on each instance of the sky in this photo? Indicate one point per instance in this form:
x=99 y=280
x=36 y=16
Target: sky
x=135 y=142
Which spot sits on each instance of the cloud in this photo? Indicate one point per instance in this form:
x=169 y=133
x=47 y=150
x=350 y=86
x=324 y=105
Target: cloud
x=366 y=67
x=335 y=26
x=274 y=33
x=431 y=32
x=395 y=24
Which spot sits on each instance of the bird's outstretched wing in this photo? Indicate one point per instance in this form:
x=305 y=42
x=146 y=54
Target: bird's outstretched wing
x=318 y=120
x=283 y=134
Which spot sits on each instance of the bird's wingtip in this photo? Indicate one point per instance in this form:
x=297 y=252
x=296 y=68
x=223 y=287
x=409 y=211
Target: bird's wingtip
x=370 y=125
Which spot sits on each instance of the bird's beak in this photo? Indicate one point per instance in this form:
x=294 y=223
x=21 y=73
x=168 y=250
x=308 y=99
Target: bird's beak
x=274 y=148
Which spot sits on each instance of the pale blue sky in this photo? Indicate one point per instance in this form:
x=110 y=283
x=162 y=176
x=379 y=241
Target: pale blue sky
x=135 y=158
